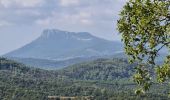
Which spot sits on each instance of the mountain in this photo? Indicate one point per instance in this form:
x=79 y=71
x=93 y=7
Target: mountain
x=62 y=45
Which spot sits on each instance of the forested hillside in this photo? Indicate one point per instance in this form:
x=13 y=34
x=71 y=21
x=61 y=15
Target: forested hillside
x=101 y=69
x=19 y=82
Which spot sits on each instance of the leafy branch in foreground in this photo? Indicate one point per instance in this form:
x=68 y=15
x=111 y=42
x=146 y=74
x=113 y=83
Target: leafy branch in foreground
x=145 y=29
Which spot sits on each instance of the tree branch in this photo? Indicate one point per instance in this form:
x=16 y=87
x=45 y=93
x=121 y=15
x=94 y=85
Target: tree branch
x=163 y=46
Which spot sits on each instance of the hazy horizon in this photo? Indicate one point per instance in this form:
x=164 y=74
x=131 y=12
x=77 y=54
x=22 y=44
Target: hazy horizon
x=23 y=21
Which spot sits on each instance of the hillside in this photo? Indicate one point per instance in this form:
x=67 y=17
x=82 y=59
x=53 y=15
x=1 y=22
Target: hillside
x=18 y=82
x=100 y=69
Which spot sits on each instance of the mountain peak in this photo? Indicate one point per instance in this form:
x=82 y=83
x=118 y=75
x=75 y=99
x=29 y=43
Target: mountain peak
x=51 y=32
x=59 y=33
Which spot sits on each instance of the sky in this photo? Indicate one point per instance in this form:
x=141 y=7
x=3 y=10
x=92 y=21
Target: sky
x=22 y=21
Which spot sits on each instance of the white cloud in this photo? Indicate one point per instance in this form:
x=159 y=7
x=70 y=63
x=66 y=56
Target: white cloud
x=79 y=18
x=84 y=14
x=43 y=22
x=29 y=3
x=21 y=3
x=5 y=23
x=21 y=12
x=69 y=2
x=86 y=22
x=6 y=3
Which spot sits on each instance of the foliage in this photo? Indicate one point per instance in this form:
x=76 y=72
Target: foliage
x=145 y=29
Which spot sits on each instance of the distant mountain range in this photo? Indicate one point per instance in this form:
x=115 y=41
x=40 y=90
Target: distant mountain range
x=62 y=46
x=51 y=64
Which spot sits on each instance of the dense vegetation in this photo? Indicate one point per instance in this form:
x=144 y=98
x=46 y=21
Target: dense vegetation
x=145 y=29
x=101 y=69
x=18 y=82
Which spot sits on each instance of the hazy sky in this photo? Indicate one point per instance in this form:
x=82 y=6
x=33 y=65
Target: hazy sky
x=22 y=21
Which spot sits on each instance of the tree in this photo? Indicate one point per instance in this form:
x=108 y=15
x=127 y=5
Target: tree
x=145 y=29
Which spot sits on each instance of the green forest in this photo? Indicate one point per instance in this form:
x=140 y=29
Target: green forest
x=19 y=82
